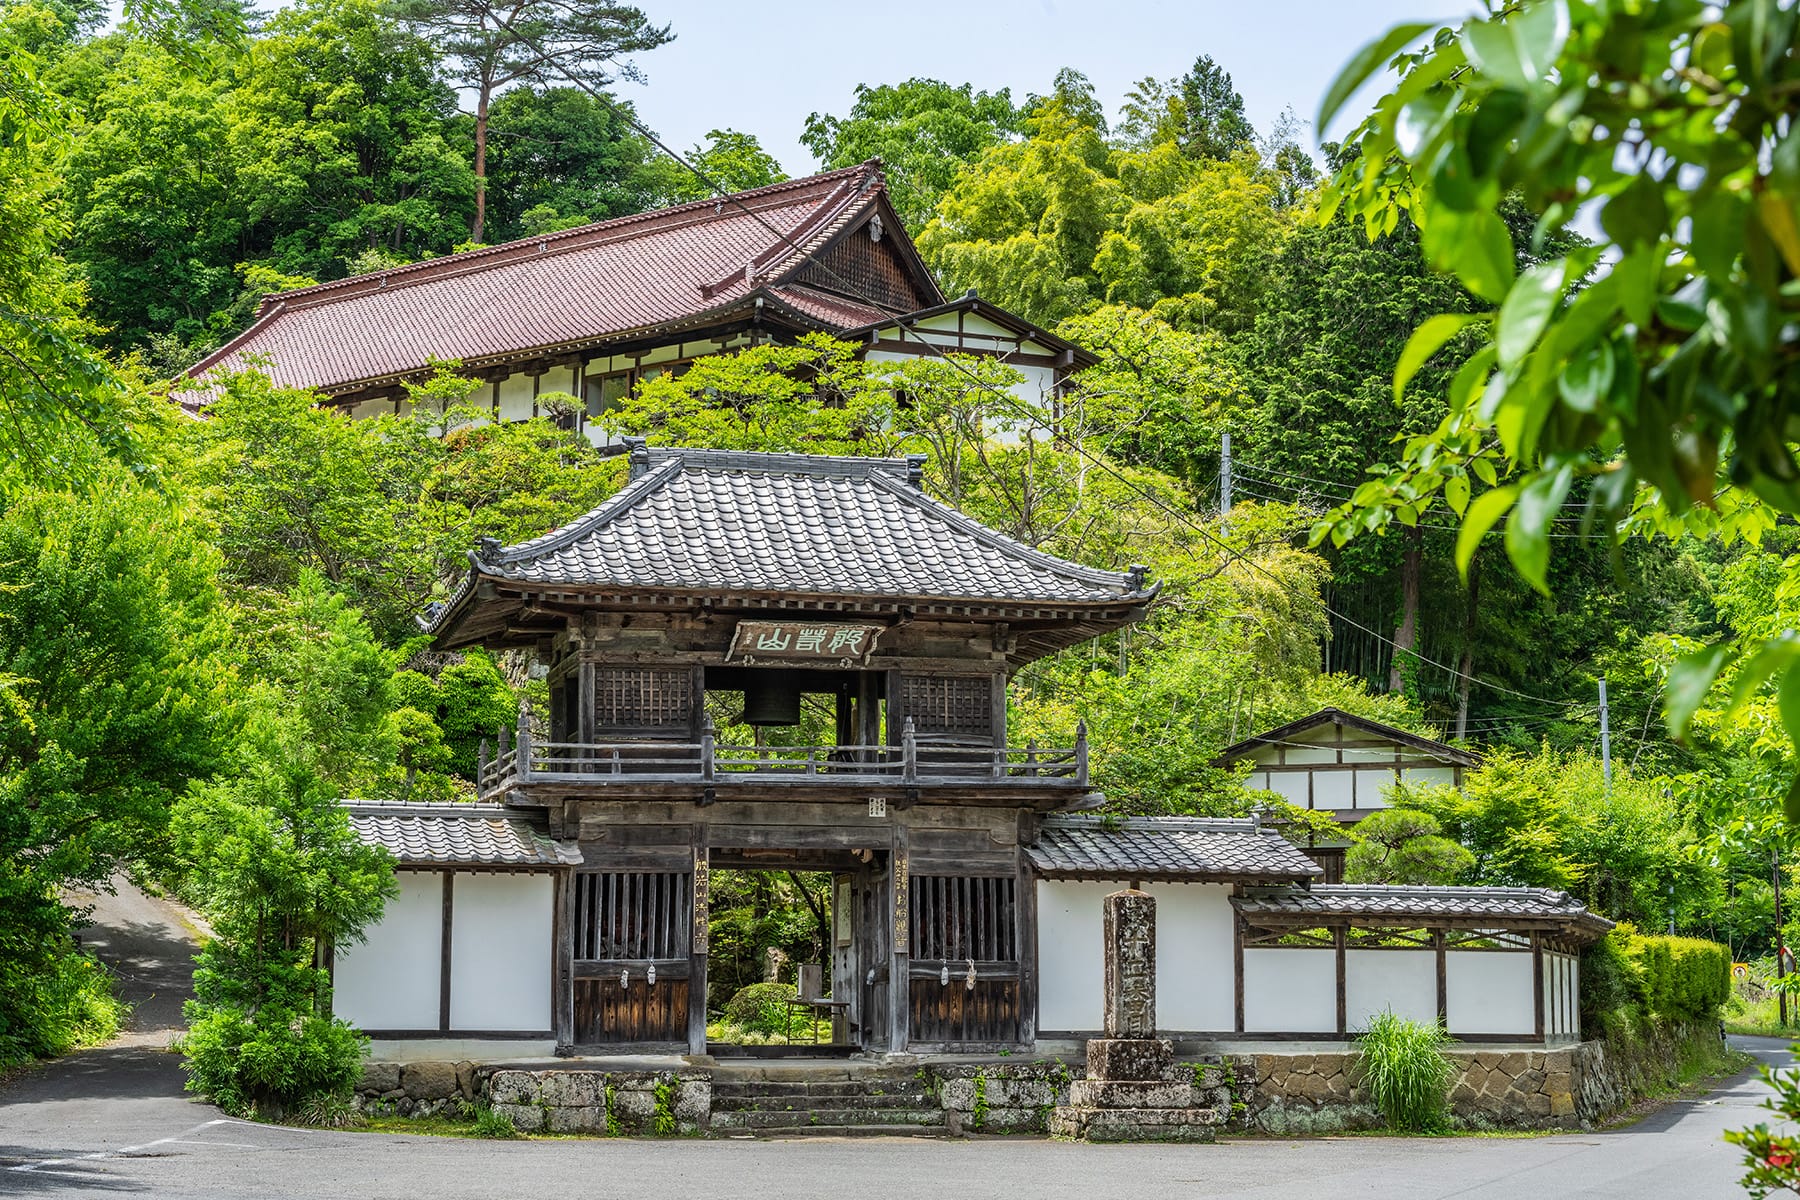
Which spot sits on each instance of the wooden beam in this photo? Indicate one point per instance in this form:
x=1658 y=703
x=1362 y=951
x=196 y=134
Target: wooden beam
x=1443 y=978
x=900 y=928
x=1237 y=969
x=444 y=963
x=1339 y=943
x=697 y=942
x=562 y=973
x=1025 y=929
x=1537 y=984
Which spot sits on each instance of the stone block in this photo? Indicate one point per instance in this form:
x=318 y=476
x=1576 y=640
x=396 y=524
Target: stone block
x=1538 y=1105
x=465 y=1079
x=638 y=1103
x=1135 y=1124
x=958 y=1094
x=1307 y=1087
x=1558 y=1060
x=1561 y=1104
x=1530 y=1081
x=379 y=1077
x=693 y=1101
x=1129 y=1058
x=1128 y=972
x=512 y=1087
x=1515 y=1064
x=1488 y=1060
x=1109 y=1093
x=1208 y=1077
x=428 y=1080
x=1561 y=1082
x=527 y=1118
x=584 y=1119
x=571 y=1089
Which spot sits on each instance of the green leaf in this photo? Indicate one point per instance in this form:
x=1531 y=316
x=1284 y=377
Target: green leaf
x=1776 y=654
x=1528 y=308
x=1718 y=233
x=1690 y=677
x=1487 y=508
x=1456 y=493
x=1638 y=215
x=1426 y=341
x=1640 y=278
x=1587 y=379
x=1788 y=701
x=1473 y=246
x=1470 y=378
x=1790 y=803
x=1520 y=51
x=1484 y=468
x=1364 y=63
x=1528 y=529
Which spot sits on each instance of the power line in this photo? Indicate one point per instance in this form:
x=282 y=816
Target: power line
x=1007 y=398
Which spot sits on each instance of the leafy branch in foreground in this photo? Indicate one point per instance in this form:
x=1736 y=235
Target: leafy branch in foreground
x=1649 y=377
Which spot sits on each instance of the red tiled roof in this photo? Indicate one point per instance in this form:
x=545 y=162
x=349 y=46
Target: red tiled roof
x=571 y=288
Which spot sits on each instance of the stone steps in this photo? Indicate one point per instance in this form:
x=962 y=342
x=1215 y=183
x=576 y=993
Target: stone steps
x=802 y=1118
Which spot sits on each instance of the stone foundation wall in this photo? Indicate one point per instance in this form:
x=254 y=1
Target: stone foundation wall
x=554 y=1101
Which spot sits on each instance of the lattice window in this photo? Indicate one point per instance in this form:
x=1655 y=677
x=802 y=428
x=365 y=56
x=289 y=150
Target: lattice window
x=949 y=704
x=956 y=919
x=631 y=914
x=643 y=698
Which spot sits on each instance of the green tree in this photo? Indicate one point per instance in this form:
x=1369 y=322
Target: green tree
x=496 y=44
x=1398 y=845
x=1213 y=121
x=733 y=161
x=115 y=694
x=922 y=130
x=558 y=157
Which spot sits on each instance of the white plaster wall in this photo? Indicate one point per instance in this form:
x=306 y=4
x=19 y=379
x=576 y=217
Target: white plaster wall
x=1419 y=775
x=1371 y=783
x=392 y=979
x=1069 y=963
x=1402 y=980
x=1290 y=786
x=500 y=945
x=1307 y=756
x=515 y=398
x=1290 y=991
x=1489 y=991
x=1193 y=955
x=1331 y=789
x=372 y=408
x=1195 y=990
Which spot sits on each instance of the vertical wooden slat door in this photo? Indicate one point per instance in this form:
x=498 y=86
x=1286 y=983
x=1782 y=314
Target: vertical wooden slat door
x=625 y=923
x=959 y=923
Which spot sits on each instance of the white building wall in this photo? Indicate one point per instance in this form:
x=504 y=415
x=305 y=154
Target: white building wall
x=1404 y=981
x=391 y=980
x=1290 y=990
x=515 y=398
x=1489 y=991
x=1194 y=989
x=500 y=952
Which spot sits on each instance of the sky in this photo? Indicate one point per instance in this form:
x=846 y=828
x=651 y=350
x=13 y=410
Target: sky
x=761 y=68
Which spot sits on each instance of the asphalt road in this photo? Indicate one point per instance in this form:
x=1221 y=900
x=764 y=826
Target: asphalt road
x=115 y=1121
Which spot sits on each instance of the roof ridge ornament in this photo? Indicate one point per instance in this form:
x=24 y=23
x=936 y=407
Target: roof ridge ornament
x=487 y=549
x=637 y=453
x=915 y=470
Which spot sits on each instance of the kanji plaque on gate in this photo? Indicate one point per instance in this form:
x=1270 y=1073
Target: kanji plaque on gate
x=803 y=641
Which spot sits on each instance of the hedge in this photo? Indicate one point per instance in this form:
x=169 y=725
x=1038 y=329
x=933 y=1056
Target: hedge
x=1627 y=974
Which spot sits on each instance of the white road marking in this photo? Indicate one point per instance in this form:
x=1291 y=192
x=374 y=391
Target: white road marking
x=42 y=1163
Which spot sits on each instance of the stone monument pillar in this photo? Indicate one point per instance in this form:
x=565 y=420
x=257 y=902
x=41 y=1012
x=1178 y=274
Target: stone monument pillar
x=1133 y=1091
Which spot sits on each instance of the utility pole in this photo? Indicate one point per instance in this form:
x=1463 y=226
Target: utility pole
x=1224 y=477
x=1605 y=741
x=1780 y=949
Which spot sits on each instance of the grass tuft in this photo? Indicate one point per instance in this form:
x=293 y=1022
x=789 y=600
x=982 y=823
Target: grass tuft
x=1406 y=1071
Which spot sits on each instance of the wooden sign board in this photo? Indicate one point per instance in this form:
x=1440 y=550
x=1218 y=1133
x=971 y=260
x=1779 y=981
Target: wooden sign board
x=802 y=642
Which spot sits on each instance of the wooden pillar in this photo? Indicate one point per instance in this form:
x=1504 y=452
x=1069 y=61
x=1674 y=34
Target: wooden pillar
x=562 y=968
x=1237 y=968
x=697 y=944
x=585 y=697
x=900 y=929
x=1025 y=929
x=1443 y=978
x=444 y=963
x=1537 y=983
x=1339 y=943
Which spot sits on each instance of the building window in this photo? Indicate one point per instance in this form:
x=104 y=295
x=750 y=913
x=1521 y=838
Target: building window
x=604 y=392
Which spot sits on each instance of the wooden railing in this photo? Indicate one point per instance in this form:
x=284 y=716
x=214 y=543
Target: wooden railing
x=521 y=759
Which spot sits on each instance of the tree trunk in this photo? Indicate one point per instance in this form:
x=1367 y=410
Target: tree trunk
x=1407 y=635
x=1466 y=668
x=481 y=130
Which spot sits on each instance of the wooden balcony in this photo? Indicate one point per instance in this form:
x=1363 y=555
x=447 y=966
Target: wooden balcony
x=915 y=764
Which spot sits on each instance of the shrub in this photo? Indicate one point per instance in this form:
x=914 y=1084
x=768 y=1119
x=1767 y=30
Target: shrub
x=491 y=1124
x=270 y=1063
x=52 y=1002
x=1628 y=977
x=1408 y=1075
x=761 y=1007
